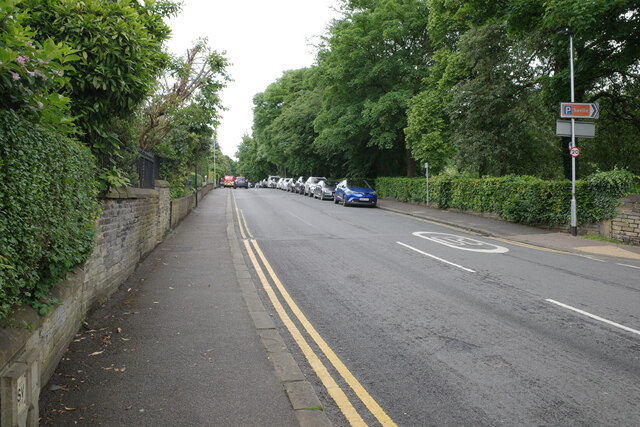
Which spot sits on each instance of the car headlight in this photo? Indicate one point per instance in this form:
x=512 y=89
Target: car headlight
x=374 y=193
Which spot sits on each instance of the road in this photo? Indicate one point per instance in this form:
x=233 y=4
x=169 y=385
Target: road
x=419 y=324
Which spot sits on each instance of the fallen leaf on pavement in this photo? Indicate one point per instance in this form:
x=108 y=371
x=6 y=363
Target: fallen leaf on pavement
x=95 y=353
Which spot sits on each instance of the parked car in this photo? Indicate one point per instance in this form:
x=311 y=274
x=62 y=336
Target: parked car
x=272 y=181
x=229 y=181
x=279 y=183
x=311 y=183
x=289 y=184
x=325 y=189
x=298 y=185
x=355 y=192
x=242 y=182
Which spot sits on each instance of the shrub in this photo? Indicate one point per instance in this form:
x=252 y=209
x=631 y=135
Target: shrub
x=47 y=210
x=523 y=199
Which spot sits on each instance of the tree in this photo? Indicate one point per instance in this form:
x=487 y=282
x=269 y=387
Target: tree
x=496 y=128
x=120 y=46
x=199 y=76
x=371 y=64
x=249 y=164
x=283 y=122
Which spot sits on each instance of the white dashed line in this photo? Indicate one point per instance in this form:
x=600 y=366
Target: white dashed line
x=593 y=316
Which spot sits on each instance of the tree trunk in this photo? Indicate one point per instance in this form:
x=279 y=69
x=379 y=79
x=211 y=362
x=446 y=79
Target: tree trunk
x=411 y=165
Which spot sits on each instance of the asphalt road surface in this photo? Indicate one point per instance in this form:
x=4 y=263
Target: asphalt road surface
x=441 y=327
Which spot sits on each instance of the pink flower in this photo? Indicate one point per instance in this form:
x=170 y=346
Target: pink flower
x=22 y=59
x=29 y=43
x=40 y=104
x=15 y=76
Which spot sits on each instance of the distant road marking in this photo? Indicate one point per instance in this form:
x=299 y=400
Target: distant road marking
x=628 y=265
x=235 y=204
x=436 y=258
x=245 y=225
x=461 y=242
x=593 y=316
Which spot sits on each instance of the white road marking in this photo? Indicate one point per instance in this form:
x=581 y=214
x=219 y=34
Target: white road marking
x=593 y=316
x=628 y=265
x=435 y=257
x=461 y=242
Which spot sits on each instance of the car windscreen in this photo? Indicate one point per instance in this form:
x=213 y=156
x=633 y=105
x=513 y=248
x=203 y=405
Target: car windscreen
x=357 y=183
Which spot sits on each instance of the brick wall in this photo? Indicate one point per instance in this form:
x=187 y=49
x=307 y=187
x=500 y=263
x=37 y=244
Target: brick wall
x=132 y=222
x=626 y=225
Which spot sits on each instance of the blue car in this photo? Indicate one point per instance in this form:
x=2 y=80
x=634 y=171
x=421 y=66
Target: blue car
x=355 y=192
x=241 y=181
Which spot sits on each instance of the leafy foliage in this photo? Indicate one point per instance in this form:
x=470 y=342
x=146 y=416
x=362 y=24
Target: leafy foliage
x=120 y=48
x=197 y=78
x=32 y=73
x=47 y=209
x=523 y=199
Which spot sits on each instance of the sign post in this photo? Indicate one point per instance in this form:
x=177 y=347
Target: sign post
x=426 y=166
x=574 y=213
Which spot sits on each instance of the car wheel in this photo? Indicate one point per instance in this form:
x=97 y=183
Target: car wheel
x=335 y=200
x=344 y=202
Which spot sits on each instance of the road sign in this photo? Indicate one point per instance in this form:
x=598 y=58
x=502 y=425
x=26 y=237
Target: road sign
x=577 y=110
x=583 y=129
x=574 y=151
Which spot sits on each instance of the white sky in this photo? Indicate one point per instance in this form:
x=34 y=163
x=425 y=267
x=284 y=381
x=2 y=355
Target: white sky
x=262 y=39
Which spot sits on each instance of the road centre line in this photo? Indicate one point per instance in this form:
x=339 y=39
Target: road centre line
x=436 y=258
x=332 y=387
x=593 y=316
x=628 y=265
x=355 y=385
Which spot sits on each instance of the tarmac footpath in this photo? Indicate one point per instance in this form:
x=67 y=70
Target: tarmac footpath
x=185 y=341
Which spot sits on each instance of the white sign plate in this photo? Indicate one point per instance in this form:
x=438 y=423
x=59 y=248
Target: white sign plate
x=583 y=129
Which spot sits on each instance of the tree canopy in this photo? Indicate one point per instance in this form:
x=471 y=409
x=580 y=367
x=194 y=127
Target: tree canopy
x=469 y=86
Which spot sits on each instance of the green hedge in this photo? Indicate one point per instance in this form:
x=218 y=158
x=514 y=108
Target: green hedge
x=47 y=210
x=523 y=199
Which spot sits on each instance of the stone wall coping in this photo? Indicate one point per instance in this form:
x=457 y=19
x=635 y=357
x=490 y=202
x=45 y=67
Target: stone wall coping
x=161 y=183
x=14 y=337
x=633 y=198
x=129 y=193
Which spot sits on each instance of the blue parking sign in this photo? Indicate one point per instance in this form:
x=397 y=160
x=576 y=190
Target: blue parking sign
x=567 y=110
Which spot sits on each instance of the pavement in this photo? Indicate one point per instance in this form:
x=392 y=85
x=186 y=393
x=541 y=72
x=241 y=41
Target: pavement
x=186 y=340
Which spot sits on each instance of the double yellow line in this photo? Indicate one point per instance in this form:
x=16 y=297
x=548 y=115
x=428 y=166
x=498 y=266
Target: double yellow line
x=334 y=390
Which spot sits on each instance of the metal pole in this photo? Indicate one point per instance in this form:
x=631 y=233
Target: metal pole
x=215 y=176
x=426 y=166
x=196 y=181
x=574 y=214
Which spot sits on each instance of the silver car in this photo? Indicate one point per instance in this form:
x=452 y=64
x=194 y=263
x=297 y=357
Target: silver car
x=325 y=189
x=310 y=184
x=272 y=181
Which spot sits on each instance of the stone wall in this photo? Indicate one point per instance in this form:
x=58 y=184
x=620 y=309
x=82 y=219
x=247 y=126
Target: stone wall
x=132 y=222
x=626 y=225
